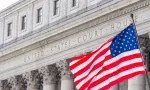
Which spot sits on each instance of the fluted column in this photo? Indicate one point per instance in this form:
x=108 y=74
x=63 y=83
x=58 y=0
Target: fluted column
x=123 y=85
x=115 y=87
x=66 y=76
x=49 y=77
x=1 y=85
x=147 y=66
x=147 y=63
x=137 y=82
x=31 y=81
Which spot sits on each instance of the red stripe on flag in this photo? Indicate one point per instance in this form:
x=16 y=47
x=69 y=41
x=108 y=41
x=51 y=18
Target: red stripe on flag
x=81 y=56
x=87 y=83
x=100 y=70
x=77 y=58
x=90 y=64
x=82 y=60
x=106 y=67
x=115 y=73
x=122 y=79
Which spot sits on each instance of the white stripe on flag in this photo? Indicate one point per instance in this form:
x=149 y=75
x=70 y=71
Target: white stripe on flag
x=90 y=68
x=125 y=54
x=121 y=74
x=75 y=61
x=93 y=73
x=112 y=70
x=89 y=60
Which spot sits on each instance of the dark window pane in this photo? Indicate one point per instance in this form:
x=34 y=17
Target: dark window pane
x=56 y=7
x=74 y=3
x=39 y=15
x=9 y=29
x=24 y=20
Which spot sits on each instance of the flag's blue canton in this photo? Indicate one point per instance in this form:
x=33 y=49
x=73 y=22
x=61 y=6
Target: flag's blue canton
x=124 y=41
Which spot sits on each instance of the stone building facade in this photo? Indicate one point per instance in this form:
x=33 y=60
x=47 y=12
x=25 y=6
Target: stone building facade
x=38 y=38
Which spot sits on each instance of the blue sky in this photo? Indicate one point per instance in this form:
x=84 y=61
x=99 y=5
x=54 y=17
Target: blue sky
x=6 y=3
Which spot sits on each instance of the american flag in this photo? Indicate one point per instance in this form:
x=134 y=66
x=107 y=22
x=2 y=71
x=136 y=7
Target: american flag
x=116 y=60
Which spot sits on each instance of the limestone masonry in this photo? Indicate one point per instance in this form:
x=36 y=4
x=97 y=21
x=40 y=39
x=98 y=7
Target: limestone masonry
x=38 y=38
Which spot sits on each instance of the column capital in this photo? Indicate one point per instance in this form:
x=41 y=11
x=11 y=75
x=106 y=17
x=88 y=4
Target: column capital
x=15 y=82
x=31 y=79
x=144 y=43
x=7 y=84
x=64 y=69
x=49 y=74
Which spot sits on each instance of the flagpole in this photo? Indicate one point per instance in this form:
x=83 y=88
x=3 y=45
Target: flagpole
x=132 y=17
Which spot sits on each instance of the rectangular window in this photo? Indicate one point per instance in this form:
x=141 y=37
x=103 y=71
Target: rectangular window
x=24 y=21
x=9 y=29
x=74 y=3
x=56 y=7
x=39 y=15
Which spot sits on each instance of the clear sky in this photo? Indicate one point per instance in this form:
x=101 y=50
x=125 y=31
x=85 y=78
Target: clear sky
x=6 y=3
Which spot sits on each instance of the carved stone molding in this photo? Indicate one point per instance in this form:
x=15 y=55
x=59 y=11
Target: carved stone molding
x=49 y=74
x=96 y=21
x=64 y=69
x=63 y=66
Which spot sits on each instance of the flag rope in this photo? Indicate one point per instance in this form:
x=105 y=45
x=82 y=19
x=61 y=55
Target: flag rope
x=136 y=34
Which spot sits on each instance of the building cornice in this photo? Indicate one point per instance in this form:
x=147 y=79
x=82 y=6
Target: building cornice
x=77 y=49
x=15 y=7
x=102 y=16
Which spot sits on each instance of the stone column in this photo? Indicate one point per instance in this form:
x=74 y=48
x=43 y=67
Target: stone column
x=49 y=77
x=66 y=76
x=1 y=85
x=123 y=85
x=147 y=63
x=31 y=80
x=137 y=82
x=116 y=87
